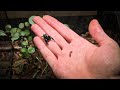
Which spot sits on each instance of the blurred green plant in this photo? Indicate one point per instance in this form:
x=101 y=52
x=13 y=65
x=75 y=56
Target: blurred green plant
x=2 y=33
x=23 y=35
x=21 y=25
x=27 y=24
x=31 y=49
x=8 y=27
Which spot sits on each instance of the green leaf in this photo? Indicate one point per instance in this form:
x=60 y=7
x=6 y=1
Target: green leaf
x=30 y=20
x=7 y=31
x=13 y=30
x=16 y=34
x=2 y=33
x=8 y=27
x=27 y=32
x=23 y=50
x=22 y=33
x=18 y=30
x=31 y=50
x=30 y=38
x=26 y=55
x=27 y=24
x=14 y=38
x=21 y=25
x=24 y=43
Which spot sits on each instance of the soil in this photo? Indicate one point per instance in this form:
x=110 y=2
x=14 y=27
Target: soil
x=36 y=67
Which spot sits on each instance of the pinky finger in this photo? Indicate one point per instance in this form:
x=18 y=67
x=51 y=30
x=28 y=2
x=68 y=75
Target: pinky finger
x=47 y=54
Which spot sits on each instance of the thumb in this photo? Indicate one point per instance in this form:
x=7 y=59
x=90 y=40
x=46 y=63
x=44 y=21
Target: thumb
x=97 y=33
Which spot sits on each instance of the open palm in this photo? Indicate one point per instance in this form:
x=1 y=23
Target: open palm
x=71 y=56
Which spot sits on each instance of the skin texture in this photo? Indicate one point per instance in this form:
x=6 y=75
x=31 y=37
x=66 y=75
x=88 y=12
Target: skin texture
x=72 y=57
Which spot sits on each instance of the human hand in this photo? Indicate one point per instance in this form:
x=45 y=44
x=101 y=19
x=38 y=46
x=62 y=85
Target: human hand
x=71 y=56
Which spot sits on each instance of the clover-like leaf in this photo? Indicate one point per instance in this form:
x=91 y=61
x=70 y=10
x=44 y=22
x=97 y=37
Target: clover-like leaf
x=31 y=50
x=2 y=33
x=27 y=24
x=22 y=33
x=23 y=50
x=27 y=32
x=30 y=20
x=30 y=38
x=8 y=27
x=24 y=43
x=18 y=30
x=13 y=30
x=21 y=25
x=16 y=34
x=14 y=38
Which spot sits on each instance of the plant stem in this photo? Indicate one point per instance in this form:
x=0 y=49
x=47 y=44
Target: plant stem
x=17 y=48
x=36 y=73
x=44 y=69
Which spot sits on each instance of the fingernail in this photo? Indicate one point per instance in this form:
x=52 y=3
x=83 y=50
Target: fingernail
x=99 y=28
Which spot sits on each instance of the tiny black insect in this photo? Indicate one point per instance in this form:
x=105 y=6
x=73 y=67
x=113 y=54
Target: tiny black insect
x=47 y=38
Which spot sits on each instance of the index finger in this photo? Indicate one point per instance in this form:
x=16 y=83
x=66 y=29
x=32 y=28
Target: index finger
x=66 y=32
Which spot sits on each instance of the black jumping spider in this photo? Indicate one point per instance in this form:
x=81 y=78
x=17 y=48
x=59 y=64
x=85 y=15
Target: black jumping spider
x=47 y=38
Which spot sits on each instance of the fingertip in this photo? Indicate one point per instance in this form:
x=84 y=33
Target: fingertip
x=97 y=32
x=36 y=18
x=35 y=39
x=92 y=24
x=46 y=16
x=32 y=26
x=35 y=28
x=94 y=21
